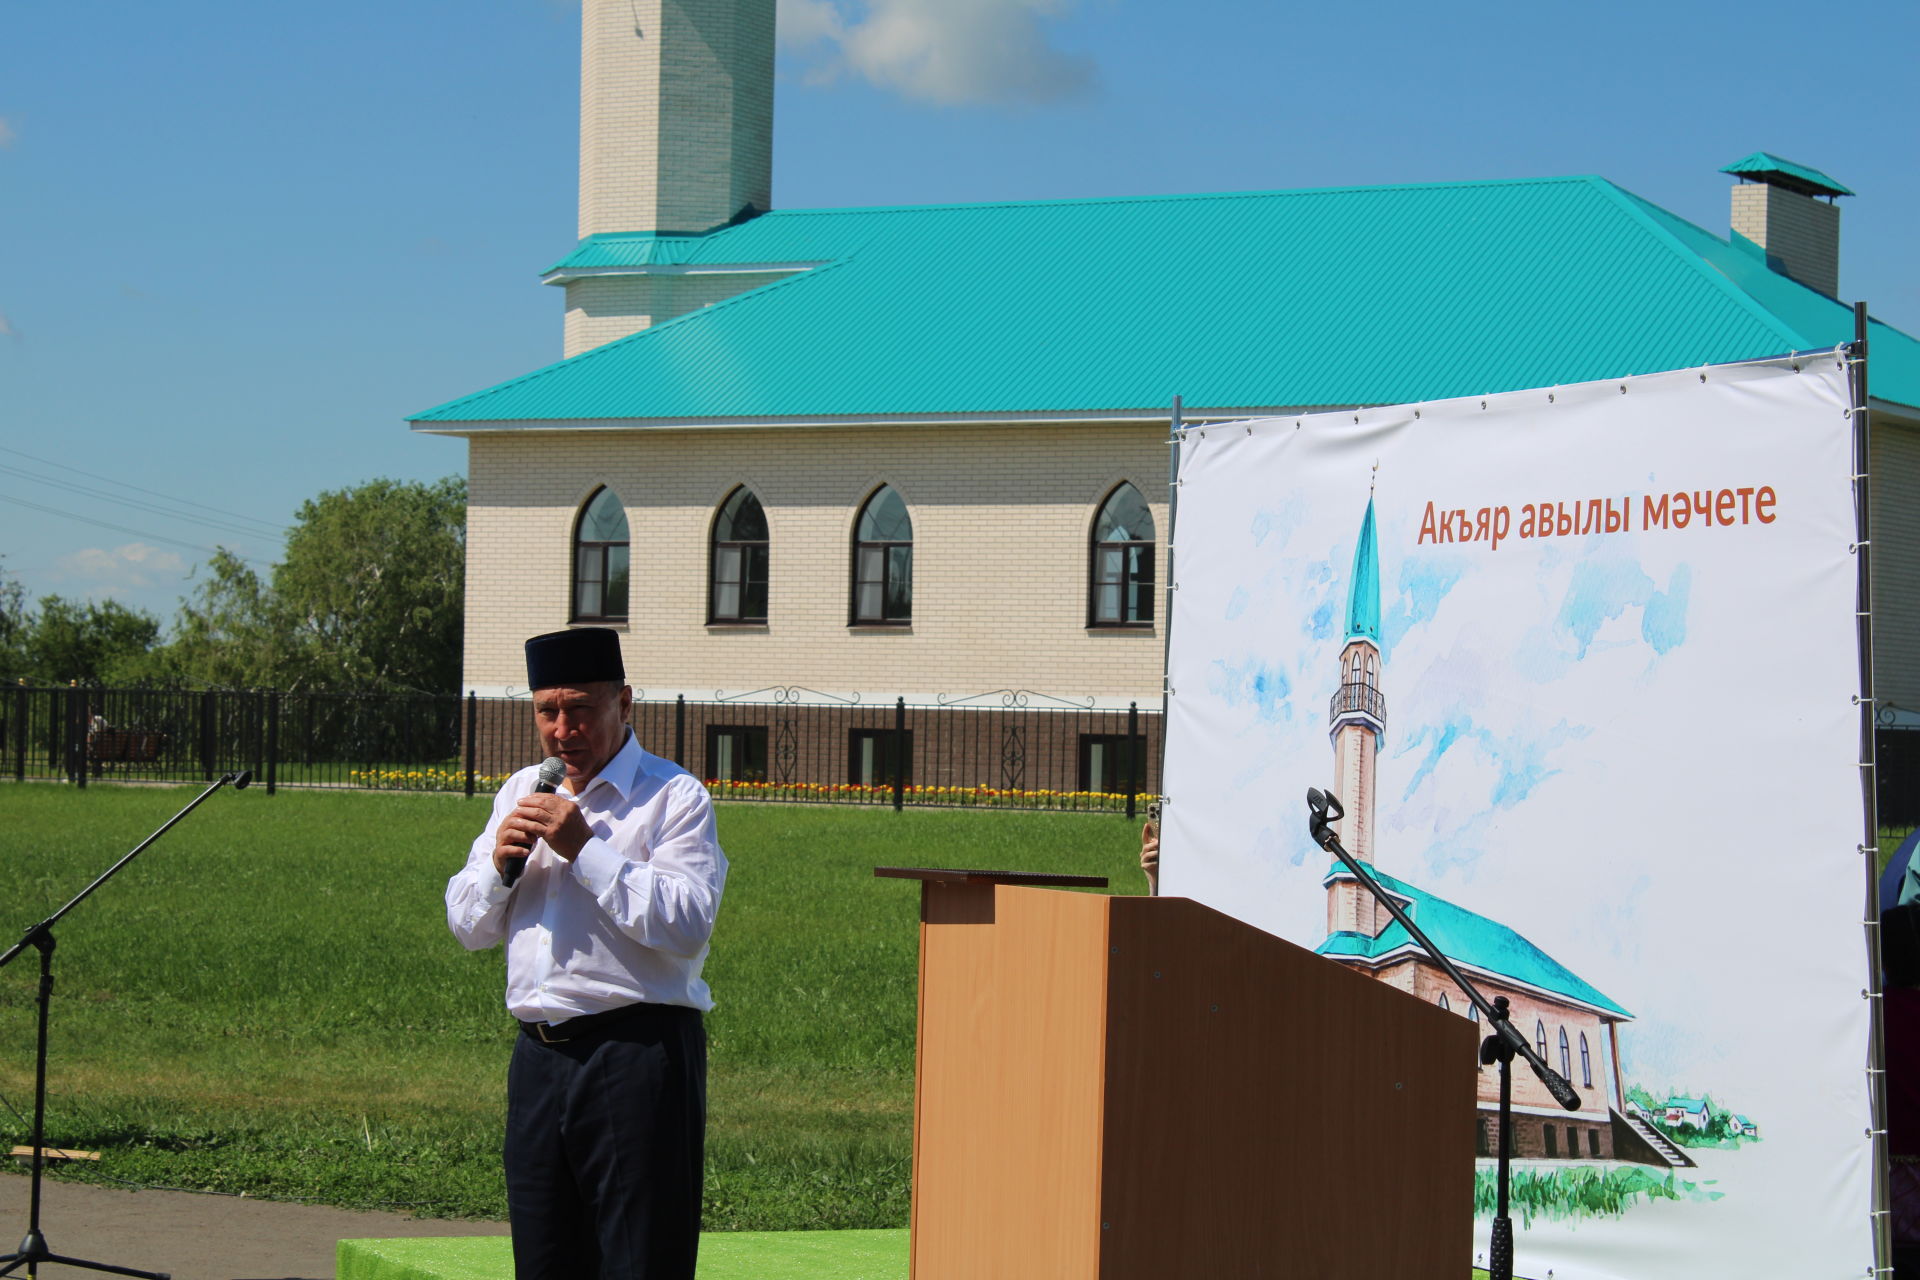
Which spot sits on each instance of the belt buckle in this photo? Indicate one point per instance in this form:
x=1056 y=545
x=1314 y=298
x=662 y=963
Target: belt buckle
x=540 y=1029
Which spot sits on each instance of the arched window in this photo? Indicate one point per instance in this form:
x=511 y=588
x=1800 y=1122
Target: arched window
x=1566 y=1060
x=1540 y=1039
x=1586 y=1063
x=600 y=560
x=1120 y=577
x=737 y=569
x=1473 y=1013
x=1443 y=1001
x=883 y=561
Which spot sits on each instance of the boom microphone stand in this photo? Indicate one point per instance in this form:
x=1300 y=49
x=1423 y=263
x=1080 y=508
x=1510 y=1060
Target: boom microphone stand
x=1324 y=810
x=33 y=1248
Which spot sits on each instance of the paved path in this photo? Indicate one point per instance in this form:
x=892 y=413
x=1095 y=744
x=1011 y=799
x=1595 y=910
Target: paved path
x=199 y=1237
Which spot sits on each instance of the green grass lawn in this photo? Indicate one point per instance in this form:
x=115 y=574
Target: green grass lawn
x=268 y=999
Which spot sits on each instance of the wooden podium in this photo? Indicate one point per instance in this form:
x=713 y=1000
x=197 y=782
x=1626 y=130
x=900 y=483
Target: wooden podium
x=1119 y=1088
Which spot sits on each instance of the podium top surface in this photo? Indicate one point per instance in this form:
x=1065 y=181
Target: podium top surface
x=951 y=875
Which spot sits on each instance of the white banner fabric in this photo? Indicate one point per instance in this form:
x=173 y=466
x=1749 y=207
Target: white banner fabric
x=1607 y=743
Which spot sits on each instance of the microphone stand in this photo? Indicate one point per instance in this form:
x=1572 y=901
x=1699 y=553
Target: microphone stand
x=33 y=1248
x=1324 y=810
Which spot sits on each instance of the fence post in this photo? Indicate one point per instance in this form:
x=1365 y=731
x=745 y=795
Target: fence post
x=1133 y=760
x=22 y=709
x=899 y=753
x=472 y=727
x=208 y=710
x=273 y=740
x=680 y=730
x=76 y=737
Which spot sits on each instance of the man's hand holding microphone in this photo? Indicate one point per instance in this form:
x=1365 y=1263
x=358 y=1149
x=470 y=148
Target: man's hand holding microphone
x=543 y=815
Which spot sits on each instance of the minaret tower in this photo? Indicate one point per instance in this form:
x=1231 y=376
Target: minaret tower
x=676 y=139
x=1358 y=716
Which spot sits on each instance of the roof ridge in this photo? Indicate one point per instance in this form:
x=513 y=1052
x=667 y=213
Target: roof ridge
x=1175 y=196
x=1636 y=207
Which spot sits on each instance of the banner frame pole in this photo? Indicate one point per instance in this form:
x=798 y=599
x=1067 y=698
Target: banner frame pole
x=1862 y=438
x=1175 y=424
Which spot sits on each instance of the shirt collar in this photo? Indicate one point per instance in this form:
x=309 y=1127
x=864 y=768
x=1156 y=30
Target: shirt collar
x=622 y=771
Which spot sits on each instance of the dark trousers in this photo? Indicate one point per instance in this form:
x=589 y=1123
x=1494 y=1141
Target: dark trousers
x=606 y=1135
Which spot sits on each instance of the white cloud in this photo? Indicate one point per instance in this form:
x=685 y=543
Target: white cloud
x=134 y=565
x=948 y=52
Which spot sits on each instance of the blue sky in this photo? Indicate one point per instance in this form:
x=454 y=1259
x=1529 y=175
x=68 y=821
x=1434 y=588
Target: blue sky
x=239 y=243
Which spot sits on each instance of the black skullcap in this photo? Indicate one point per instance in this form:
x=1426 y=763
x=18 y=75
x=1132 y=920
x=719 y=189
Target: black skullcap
x=577 y=656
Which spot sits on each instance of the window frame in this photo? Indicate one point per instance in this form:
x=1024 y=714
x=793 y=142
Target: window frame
x=886 y=549
x=1139 y=585
x=749 y=733
x=1115 y=745
x=746 y=546
x=892 y=750
x=602 y=546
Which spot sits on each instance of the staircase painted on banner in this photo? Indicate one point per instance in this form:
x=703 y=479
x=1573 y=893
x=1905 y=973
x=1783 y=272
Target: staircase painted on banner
x=1672 y=1155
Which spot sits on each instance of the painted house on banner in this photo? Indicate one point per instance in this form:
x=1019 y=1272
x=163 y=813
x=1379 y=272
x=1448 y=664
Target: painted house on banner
x=1573 y=1026
x=860 y=453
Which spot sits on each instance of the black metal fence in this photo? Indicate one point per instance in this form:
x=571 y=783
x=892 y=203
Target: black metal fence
x=1007 y=753
x=1005 y=750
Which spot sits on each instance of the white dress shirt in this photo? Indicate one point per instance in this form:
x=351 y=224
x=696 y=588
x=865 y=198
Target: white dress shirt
x=627 y=920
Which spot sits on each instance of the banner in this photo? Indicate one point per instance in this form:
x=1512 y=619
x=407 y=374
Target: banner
x=1580 y=663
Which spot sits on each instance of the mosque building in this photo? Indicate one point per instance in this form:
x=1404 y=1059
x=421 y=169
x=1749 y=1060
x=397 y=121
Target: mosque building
x=1574 y=1026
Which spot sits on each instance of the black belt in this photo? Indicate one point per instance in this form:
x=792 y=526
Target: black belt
x=589 y=1026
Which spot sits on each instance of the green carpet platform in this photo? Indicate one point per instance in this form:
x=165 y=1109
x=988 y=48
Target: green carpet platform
x=724 y=1255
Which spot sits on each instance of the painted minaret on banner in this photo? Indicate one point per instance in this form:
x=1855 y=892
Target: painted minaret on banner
x=1573 y=1026
x=1358 y=715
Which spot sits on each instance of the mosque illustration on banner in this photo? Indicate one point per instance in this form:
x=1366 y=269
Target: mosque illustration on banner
x=1574 y=1026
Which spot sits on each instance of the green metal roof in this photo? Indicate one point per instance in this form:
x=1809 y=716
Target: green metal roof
x=1805 y=179
x=638 y=249
x=1365 y=295
x=1468 y=939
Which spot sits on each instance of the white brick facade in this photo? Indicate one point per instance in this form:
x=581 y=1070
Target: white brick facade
x=676 y=113
x=1801 y=232
x=1895 y=518
x=602 y=308
x=1002 y=521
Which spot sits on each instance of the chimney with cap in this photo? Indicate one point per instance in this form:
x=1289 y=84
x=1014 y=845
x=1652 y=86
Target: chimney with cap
x=1786 y=213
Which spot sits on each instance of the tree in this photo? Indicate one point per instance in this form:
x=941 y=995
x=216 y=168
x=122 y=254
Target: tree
x=13 y=626
x=226 y=635
x=88 y=642
x=369 y=596
x=371 y=592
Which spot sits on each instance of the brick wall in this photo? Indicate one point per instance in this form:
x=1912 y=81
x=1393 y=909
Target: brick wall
x=1001 y=520
x=1801 y=231
x=676 y=113
x=602 y=308
x=1895 y=519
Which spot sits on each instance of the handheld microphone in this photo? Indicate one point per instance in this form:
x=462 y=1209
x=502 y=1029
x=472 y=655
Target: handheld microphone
x=552 y=770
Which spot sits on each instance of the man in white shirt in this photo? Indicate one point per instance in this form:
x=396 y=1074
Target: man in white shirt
x=605 y=893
